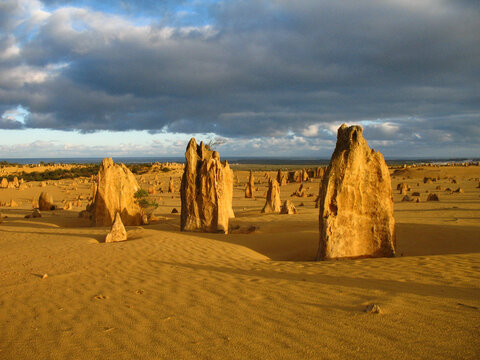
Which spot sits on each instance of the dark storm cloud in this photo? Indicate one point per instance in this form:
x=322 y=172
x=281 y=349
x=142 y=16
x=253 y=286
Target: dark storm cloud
x=259 y=69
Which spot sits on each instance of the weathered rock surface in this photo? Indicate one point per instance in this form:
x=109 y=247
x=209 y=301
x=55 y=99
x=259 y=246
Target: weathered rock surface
x=45 y=201
x=356 y=201
x=114 y=194
x=250 y=187
x=118 y=232
x=4 y=183
x=288 y=208
x=206 y=191
x=273 y=202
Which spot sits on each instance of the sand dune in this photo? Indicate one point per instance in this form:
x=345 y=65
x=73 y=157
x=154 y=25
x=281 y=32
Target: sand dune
x=166 y=294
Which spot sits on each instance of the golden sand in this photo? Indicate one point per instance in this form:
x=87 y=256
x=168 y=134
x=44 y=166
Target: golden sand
x=166 y=294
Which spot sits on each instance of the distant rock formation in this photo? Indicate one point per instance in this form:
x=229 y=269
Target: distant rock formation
x=115 y=193
x=356 y=201
x=295 y=176
x=319 y=171
x=118 y=232
x=45 y=201
x=428 y=180
x=171 y=186
x=300 y=192
x=250 y=187
x=11 y=203
x=4 y=183
x=432 y=197
x=403 y=188
x=273 y=202
x=305 y=175
x=288 y=208
x=206 y=191
x=35 y=214
x=281 y=179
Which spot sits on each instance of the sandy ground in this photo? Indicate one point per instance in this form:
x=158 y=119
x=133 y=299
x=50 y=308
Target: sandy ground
x=165 y=294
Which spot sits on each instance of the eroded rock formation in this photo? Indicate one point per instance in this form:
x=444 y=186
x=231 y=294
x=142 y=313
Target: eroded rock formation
x=281 y=179
x=206 y=191
x=273 y=202
x=171 y=186
x=115 y=193
x=356 y=201
x=288 y=208
x=250 y=187
x=45 y=201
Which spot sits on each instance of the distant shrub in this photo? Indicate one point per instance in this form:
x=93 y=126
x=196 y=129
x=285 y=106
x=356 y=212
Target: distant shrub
x=143 y=200
x=139 y=168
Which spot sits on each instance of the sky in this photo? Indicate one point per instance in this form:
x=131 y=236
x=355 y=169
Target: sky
x=268 y=77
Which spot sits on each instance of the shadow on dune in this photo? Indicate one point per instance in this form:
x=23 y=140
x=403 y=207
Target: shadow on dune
x=423 y=239
x=98 y=237
x=391 y=286
x=412 y=240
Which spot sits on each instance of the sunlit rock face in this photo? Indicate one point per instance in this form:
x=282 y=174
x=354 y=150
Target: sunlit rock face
x=206 y=191
x=115 y=193
x=273 y=202
x=356 y=201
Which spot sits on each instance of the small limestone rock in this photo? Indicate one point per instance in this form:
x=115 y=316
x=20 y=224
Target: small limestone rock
x=12 y=203
x=174 y=211
x=432 y=197
x=85 y=214
x=288 y=208
x=35 y=214
x=118 y=232
x=300 y=192
x=373 y=309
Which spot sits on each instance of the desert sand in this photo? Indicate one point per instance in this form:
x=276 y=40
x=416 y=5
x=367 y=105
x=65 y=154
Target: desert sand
x=255 y=293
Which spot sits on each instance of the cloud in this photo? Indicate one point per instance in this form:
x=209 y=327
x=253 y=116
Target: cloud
x=247 y=70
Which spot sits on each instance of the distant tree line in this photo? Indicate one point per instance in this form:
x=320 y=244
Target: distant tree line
x=86 y=170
